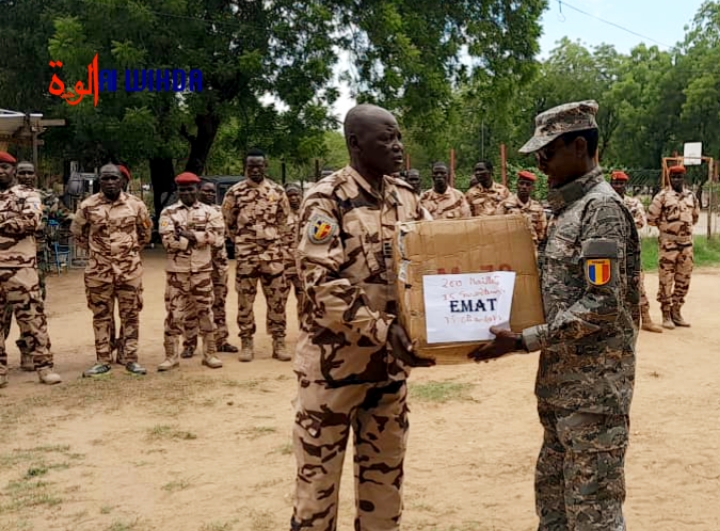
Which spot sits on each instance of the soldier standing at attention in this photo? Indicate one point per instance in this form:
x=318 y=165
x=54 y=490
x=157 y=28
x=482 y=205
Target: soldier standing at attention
x=443 y=201
x=523 y=203
x=220 y=266
x=485 y=196
x=292 y=280
x=256 y=212
x=413 y=179
x=619 y=180
x=189 y=231
x=353 y=357
x=20 y=219
x=590 y=280
x=674 y=211
x=113 y=227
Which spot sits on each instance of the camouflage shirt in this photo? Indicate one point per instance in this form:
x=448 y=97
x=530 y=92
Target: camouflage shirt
x=590 y=281
x=450 y=205
x=345 y=260
x=674 y=215
x=20 y=218
x=533 y=212
x=219 y=251
x=114 y=233
x=290 y=243
x=483 y=202
x=206 y=224
x=256 y=216
x=637 y=210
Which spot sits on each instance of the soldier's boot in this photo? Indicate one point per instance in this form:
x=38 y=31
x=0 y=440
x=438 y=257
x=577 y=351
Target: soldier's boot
x=224 y=346
x=209 y=358
x=246 y=349
x=172 y=360
x=48 y=377
x=647 y=323
x=26 y=356
x=280 y=352
x=667 y=320
x=189 y=350
x=677 y=318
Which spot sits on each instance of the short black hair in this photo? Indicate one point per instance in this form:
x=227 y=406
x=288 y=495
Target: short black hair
x=255 y=152
x=591 y=136
x=488 y=164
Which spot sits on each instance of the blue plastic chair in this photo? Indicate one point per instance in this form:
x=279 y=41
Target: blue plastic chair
x=62 y=256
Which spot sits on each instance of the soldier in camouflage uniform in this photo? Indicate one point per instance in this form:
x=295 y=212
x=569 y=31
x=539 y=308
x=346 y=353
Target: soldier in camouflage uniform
x=590 y=279
x=292 y=280
x=523 y=203
x=443 y=201
x=353 y=357
x=189 y=230
x=619 y=180
x=220 y=267
x=113 y=226
x=674 y=211
x=485 y=196
x=20 y=219
x=256 y=212
x=413 y=179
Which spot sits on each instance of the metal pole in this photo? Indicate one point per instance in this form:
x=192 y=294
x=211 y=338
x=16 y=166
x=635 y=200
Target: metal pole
x=452 y=167
x=35 y=149
x=283 y=171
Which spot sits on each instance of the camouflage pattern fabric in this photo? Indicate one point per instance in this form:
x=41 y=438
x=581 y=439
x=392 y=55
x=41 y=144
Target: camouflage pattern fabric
x=347 y=378
x=292 y=281
x=533 y=212
x=586 y=370
x=674 y=215
x=484 y=201
x=555 y=122
x=637 y=210
x=449 y=205
x=256 y=216
x=185 y=294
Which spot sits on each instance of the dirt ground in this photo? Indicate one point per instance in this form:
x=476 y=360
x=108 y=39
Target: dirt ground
x=202 y=450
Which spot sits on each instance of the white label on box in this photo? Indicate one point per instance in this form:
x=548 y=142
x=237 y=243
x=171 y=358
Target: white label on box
x=463 y=307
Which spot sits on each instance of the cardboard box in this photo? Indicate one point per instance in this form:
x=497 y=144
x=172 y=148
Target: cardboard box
x=475 y=245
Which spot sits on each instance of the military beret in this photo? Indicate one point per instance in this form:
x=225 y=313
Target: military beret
x=555 y=122
x=293 y=187
x=527 y=175
x=674 y=170
x=124 y=170
x=619 y=176
x=7 y=157
x=187 y=178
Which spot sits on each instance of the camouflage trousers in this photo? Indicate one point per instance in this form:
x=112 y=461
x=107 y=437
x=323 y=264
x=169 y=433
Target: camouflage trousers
x=220 y=291
x=676 y=266
x=20 y=289
x=272 y=281
x=116 y=336
x=293 y=282
x=101 y=297
x=378 y=416
x=189 y=294
x=580 y=478
x=644 y=302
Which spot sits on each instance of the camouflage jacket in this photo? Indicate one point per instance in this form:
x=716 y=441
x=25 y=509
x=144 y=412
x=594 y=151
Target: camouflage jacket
x=345 y=261
x=256 y=217
x=20 y=218
x=206 y=224
x=290 y=243
x=219 y=251
x=590 y=281
x=113 y=233
x=637 y=210
x=450 y=205
x=483 y=202
x=674 y=215
x=533 y=212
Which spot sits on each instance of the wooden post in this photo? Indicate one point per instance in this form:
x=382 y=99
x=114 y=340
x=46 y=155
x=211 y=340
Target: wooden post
x=317 y=170
x=503 y=164
x=452 y=167
x=283 y=171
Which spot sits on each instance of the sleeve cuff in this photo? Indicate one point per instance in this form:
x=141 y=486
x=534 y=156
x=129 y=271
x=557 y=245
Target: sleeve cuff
x=183 y=243
x=533 y=337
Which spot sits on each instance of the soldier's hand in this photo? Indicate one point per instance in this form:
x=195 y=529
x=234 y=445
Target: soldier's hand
x=505 y=341
x=188 y=235
x=402 y=347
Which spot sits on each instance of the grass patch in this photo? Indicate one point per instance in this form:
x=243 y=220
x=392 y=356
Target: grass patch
x=258 y=431
x=106 y=509
x=285 y=449
x=122 y=526
x=176 y=486
x=706 y=252
x=165 y=432
x=218 y=526
x=26 y=494
x=440 y=392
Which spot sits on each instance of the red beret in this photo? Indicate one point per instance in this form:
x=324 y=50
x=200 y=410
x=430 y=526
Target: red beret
x=677 y=169
x=527 y=175
x=7 y=157
x=187 y=178
x=619 y=176
x=125 y=172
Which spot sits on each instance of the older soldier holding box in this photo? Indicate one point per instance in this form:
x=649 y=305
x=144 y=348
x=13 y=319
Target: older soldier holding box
x=353 y=356
x=443 y=201
x=113 y=227
x=590 y=280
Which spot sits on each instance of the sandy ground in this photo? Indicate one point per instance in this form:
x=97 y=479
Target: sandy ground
x=201 y=450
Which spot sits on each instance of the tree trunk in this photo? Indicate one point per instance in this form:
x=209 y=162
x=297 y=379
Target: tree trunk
x=200 y=144
x=162 y=177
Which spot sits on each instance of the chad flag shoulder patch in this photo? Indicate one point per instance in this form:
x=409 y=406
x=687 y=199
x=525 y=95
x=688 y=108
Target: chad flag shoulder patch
x=321 y=229
x=598 y=271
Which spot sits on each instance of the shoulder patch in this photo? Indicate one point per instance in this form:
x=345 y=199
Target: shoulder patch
x=598 y=271
x=321 y=229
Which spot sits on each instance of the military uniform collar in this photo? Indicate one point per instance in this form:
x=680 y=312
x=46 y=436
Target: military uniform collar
x=196 y=204
x=563 y=197
x=261 y=184
x=122 y=198
x=388 y=191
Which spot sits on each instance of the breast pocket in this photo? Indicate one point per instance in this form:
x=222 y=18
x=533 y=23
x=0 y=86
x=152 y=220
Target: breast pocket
x=361 y=260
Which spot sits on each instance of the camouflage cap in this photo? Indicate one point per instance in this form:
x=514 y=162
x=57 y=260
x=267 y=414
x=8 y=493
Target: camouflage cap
x=567 y=118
